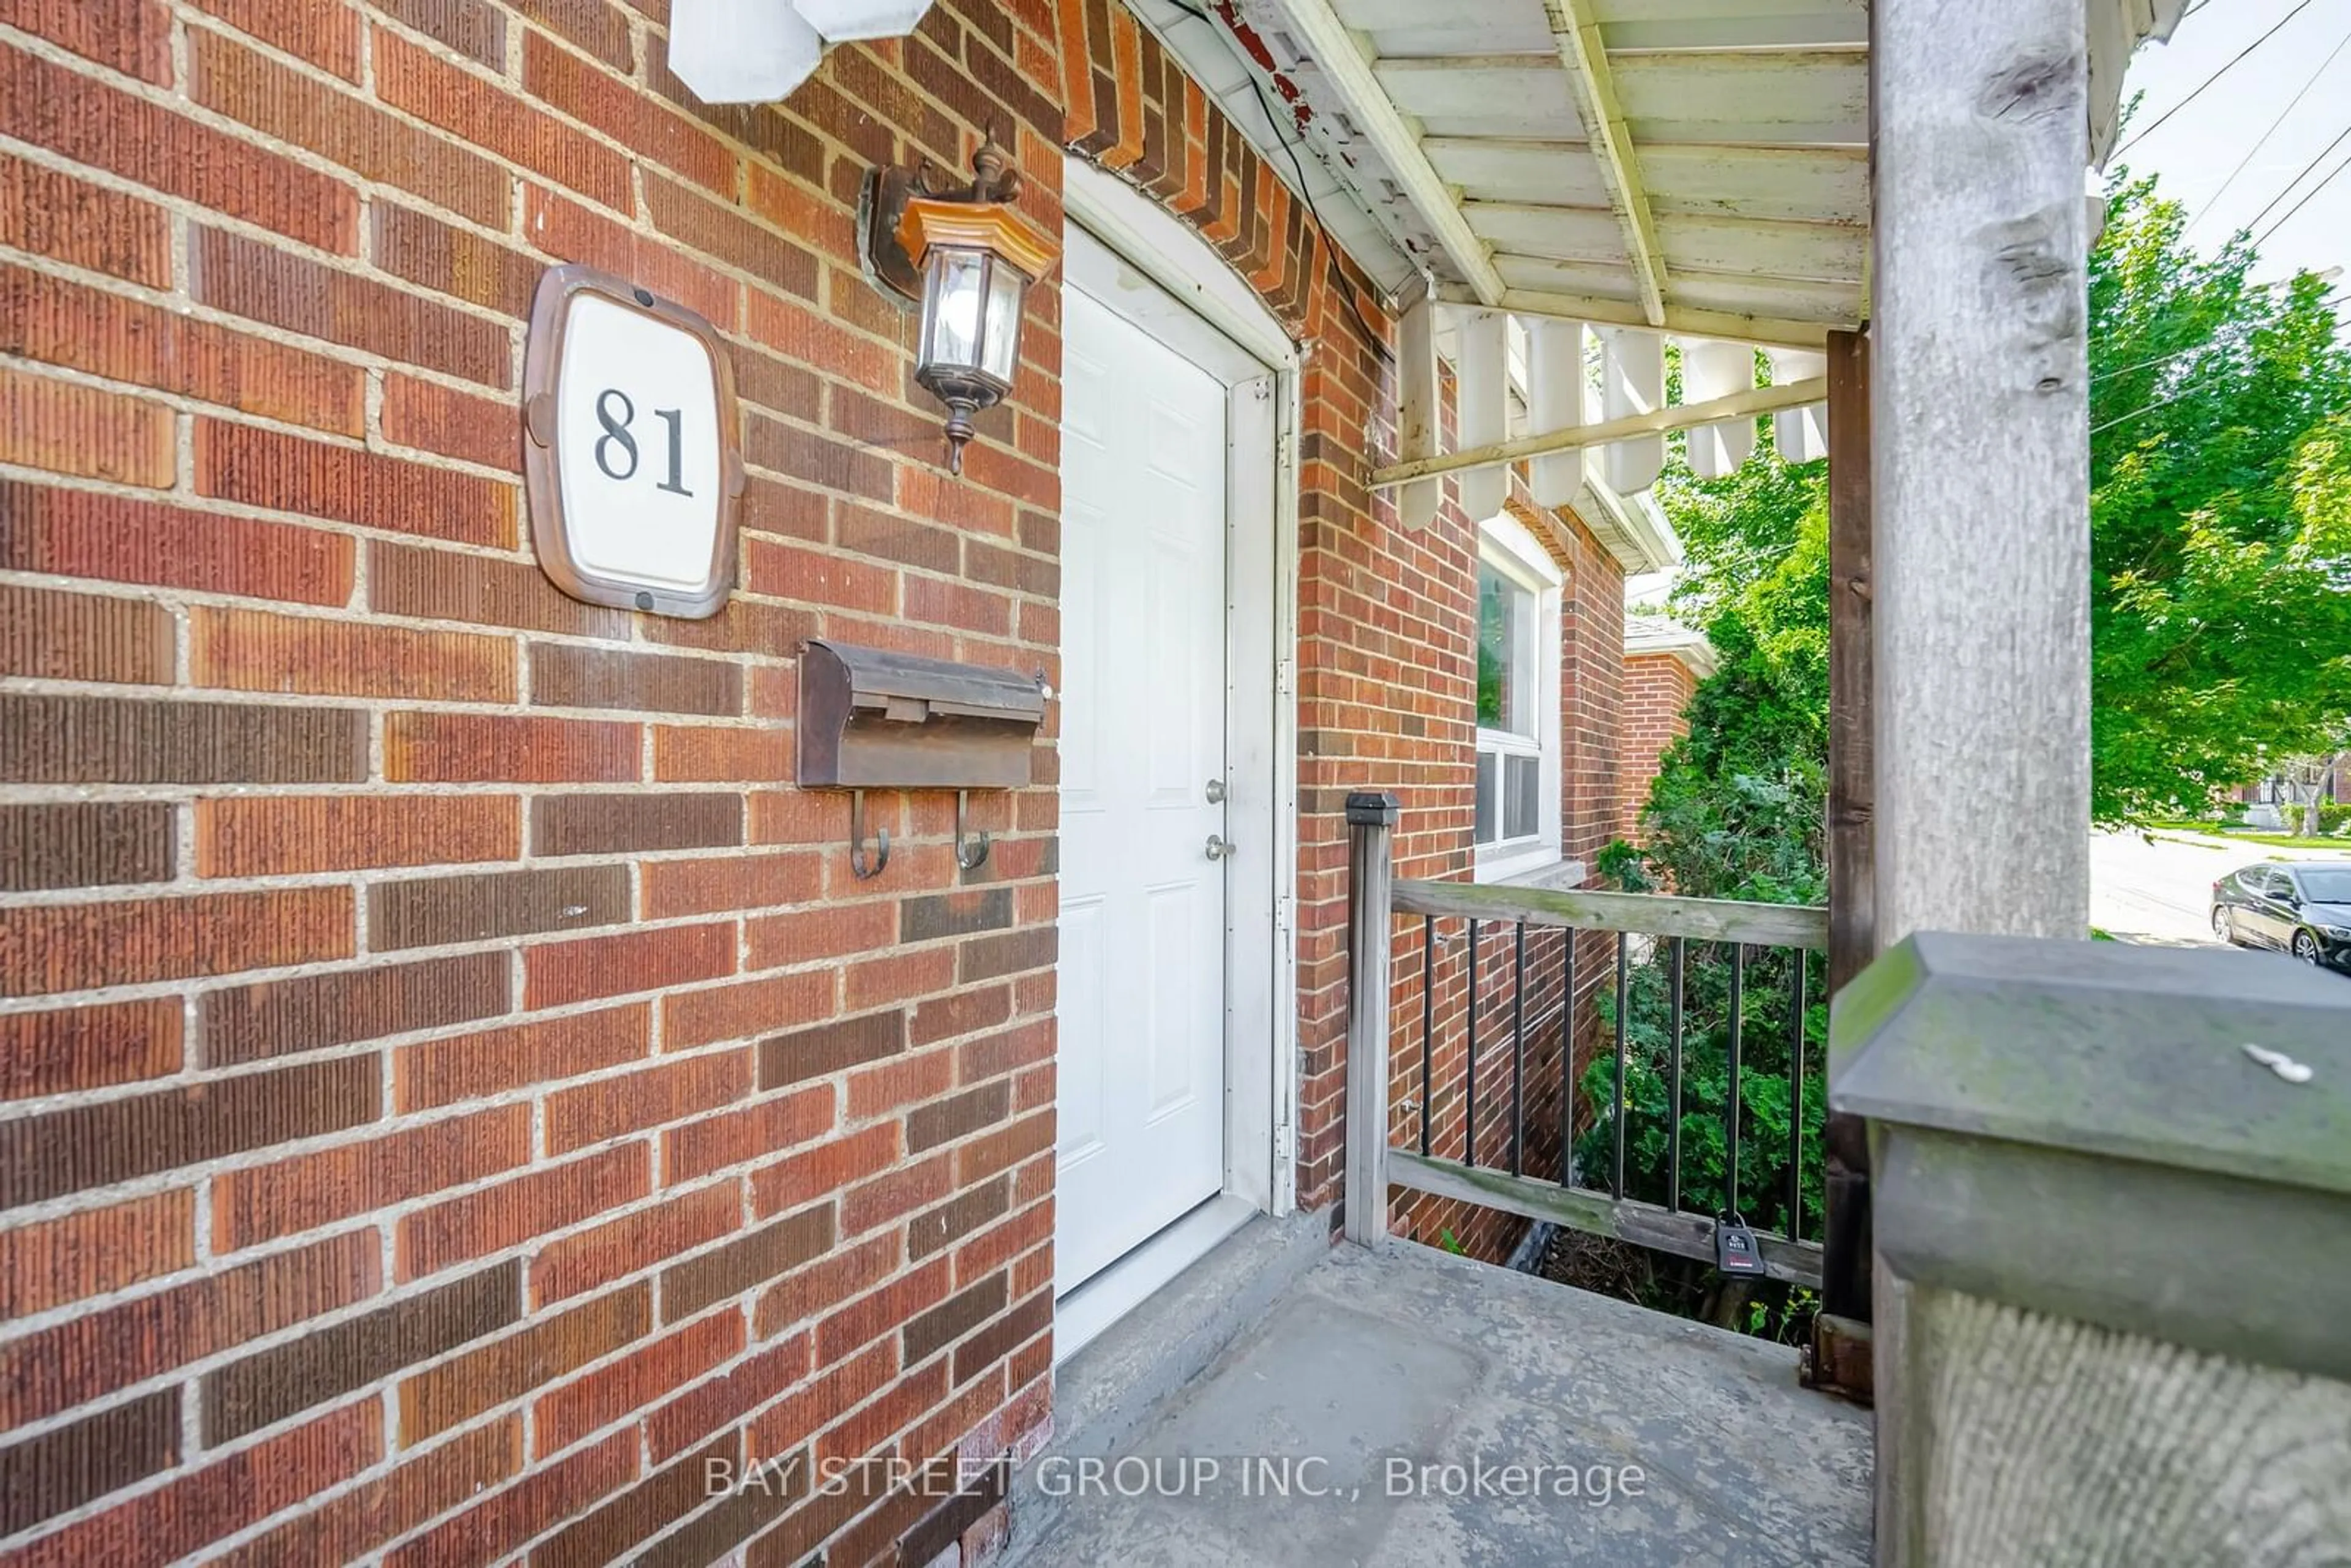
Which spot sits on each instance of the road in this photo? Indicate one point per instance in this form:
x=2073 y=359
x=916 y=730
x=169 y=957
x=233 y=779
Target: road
x=2158 y=887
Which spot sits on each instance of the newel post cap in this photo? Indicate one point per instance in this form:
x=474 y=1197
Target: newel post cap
x=2155 y=1140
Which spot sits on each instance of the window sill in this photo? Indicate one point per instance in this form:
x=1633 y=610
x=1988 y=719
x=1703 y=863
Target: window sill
x=1529 y=865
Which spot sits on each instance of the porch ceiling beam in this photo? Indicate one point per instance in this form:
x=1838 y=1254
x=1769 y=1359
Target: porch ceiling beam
x=1576 y=34
x=1329 y=44
x=1678 y=416
x=1764 y=332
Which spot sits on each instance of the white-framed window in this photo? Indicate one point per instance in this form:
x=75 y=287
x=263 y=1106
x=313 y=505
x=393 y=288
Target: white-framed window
x=1517 y=823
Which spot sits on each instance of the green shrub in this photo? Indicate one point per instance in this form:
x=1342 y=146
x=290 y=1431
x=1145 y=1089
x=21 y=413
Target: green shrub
x=1764 y=1059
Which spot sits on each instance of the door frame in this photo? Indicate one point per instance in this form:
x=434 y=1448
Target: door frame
x=1261 y=708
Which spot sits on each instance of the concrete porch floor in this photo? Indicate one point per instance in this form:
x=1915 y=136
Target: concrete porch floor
x=1359 y=1356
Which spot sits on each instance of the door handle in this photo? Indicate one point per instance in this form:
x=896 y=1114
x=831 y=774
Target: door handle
x=1216 y=791
x=1217 y=848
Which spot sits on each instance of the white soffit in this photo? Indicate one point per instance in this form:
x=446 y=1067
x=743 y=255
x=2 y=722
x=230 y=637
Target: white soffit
x=1696 y=167
x=1210 y=57
x=1656 y=634
x=2116 y=28
x=1727 y=195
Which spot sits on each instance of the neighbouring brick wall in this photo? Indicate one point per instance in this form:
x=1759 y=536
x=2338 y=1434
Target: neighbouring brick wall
x=1658 y=689
x=1520 y=1118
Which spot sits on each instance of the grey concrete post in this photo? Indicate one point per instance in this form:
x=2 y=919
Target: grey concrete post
x=2112 y=1188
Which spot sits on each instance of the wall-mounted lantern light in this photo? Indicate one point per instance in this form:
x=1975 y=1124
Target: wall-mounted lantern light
x=966 y=255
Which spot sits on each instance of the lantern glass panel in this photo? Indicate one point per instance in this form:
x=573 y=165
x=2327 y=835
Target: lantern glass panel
x=953 y=309
x=1000 y=343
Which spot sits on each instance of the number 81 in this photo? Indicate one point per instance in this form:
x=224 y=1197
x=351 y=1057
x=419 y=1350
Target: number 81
x=616 y=435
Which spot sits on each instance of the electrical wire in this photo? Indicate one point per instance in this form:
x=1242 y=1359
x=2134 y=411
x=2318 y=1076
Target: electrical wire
x=2208 y=346
x=2204 y=347
x=2150 y=408
x=2331 y=175
x=1338 y=278
x=2300 y=175
x=2300 y=7
x=2214 y=200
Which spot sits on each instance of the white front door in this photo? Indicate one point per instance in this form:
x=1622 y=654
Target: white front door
x=1142 y=752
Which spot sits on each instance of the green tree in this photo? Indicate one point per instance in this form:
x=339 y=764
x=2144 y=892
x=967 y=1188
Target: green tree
x=2221 y=515
x=1736 y=812
x=2220 y=546
x=2220 y=603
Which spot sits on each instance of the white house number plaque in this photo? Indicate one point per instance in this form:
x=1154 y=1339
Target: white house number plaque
x=633 y=452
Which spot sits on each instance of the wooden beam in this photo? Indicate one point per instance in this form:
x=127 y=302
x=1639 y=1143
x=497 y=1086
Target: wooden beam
x=1980 y=470
x=1675 y=416
x=1682 y=322
x=1595 y=1213
x=1979 y=488
x=1852 y=826
x=1555 y=400
x=1418 y=413
x=1853 y=875
x=1643 y=914
x=1576 y=35
x=1631 y=384
x=1481 y=406
x=1323 y=39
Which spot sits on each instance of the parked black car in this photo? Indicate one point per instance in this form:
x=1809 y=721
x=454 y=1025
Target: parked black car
x=2303 y=908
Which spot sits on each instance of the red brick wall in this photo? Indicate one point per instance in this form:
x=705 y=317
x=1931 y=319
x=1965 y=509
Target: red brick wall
x=1658 y=688
x=455 y=1088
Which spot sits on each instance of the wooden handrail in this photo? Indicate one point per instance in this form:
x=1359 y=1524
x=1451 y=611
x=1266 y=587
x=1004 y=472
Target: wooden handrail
x=1646 y=914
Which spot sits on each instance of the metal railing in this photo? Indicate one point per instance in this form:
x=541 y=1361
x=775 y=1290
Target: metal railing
x=1569 y=1164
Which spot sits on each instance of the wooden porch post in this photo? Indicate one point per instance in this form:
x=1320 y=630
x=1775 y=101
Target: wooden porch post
x=1844 y=1265
x=1979 y=480
x=1980 y=468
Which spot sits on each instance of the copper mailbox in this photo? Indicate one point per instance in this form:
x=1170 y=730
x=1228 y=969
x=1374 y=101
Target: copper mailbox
x=872 y=719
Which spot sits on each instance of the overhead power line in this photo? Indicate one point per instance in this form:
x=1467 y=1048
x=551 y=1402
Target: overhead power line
x=2150 y=408
x=2214 y=200
x=2300 y=175
x=2216 y=76
x=2305 y=197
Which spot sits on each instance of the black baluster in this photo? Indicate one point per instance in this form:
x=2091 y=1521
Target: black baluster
x=1738 y=986
x=1469 y=1133
x=1427 y=1015
x=1796 y=1111
x=1623 y=1004
x=1673 y=1086
x=1519 y=1050
x=1567 y=1059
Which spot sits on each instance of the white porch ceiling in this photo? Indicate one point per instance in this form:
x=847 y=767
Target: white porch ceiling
x=1698 y=166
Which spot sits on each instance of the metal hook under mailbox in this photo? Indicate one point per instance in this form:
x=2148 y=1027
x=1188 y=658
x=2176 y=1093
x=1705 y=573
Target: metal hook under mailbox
x=857 y=841
x=976 y=856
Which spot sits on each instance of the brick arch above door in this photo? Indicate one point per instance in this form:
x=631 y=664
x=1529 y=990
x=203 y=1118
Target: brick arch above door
x=1130 y=107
